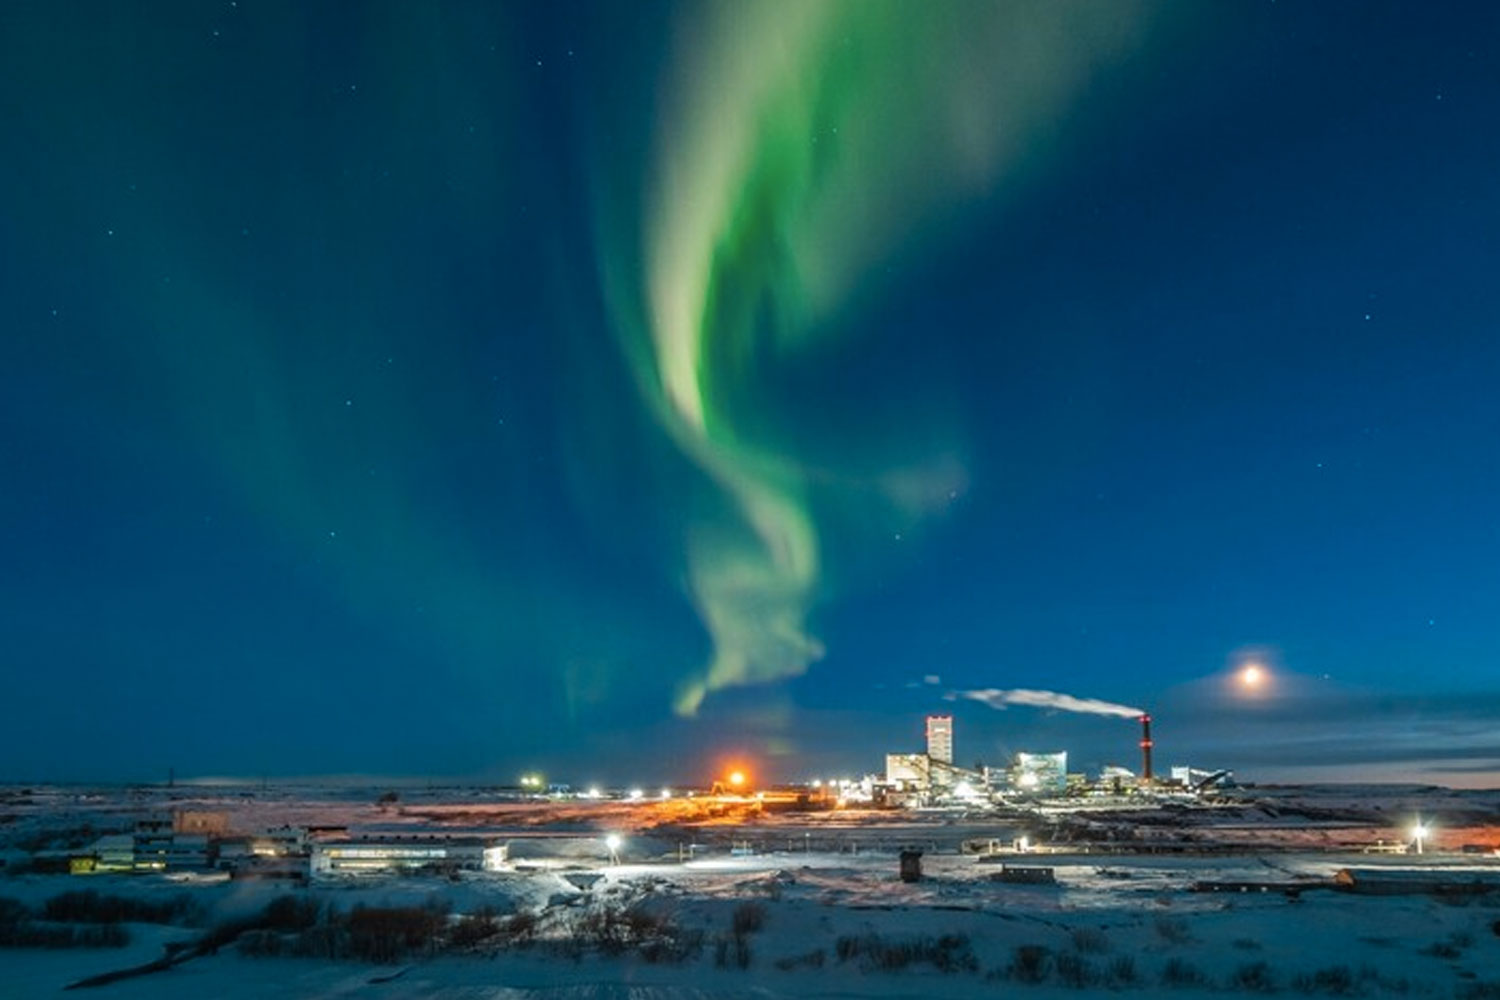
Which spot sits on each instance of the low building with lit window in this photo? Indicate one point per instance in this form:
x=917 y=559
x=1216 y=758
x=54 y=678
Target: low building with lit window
x=152 y=843
x=409 y=854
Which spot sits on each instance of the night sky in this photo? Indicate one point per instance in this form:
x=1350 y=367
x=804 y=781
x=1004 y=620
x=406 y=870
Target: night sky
x=445 y=390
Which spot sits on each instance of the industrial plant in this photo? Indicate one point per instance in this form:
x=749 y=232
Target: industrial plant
x=1030 y=782
x=931 y=778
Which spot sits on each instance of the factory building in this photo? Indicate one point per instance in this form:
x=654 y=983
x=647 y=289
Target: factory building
x=914 y=777
x=1040 y=773
x=1199 y=780
x=152 y=842
x=405 y=854
x=908 y=772
x=152 y=847
x=932 y=779
x=114 y=852
x=940 y=738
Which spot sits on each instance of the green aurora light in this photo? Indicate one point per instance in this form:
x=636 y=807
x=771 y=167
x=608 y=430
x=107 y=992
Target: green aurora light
x=800 y=145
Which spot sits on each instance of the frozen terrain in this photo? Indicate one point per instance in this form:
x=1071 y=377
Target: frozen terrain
x=821 y=922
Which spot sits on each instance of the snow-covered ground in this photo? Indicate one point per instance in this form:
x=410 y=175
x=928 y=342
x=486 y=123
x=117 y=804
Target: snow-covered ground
x=1134 y=919
x=1117 y=923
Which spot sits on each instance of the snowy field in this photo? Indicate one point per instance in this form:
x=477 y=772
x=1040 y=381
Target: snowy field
x=833 y=923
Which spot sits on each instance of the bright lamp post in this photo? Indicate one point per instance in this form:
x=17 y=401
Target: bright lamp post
x=1420 y=832
x=613 y=842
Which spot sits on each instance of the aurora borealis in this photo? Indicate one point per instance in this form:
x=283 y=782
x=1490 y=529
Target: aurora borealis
x=458 y=389
x=829 y=137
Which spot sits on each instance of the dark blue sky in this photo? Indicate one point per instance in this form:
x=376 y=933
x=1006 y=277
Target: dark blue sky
x=457 y=390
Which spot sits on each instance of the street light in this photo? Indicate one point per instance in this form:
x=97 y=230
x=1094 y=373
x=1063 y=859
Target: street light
x=1420 y=833
x=613 y=842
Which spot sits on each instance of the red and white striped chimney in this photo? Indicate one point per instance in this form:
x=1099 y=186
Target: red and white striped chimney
x=1146 y=744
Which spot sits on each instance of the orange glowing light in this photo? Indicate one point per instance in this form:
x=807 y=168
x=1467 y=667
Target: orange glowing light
x=1252 y=676
x=737 y=778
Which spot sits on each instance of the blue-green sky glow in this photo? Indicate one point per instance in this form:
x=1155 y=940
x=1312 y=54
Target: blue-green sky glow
x=451 y=390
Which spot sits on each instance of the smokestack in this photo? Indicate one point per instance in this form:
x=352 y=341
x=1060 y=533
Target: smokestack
x=1146 y=745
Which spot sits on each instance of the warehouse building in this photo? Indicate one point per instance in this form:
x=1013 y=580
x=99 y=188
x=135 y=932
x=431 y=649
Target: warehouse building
x=405 y=854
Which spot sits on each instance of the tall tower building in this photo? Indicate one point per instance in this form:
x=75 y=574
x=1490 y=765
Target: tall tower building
x=940 y=738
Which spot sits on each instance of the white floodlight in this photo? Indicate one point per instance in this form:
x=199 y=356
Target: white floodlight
x=1420 y=832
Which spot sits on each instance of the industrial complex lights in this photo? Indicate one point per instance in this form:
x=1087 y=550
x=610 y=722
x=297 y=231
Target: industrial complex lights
x=1420 y=831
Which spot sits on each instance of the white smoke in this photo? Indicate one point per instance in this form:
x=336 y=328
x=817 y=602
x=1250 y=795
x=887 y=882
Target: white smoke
x=996 y=698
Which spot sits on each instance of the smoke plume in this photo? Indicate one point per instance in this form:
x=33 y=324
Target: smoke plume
x=996 y=698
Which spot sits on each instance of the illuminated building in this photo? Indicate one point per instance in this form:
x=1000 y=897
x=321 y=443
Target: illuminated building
x=908 y=771
x=113 y=852
x=1040 y=773
x=279 y=841
x=405 y=854
x=940 y=738
x=152 y=842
